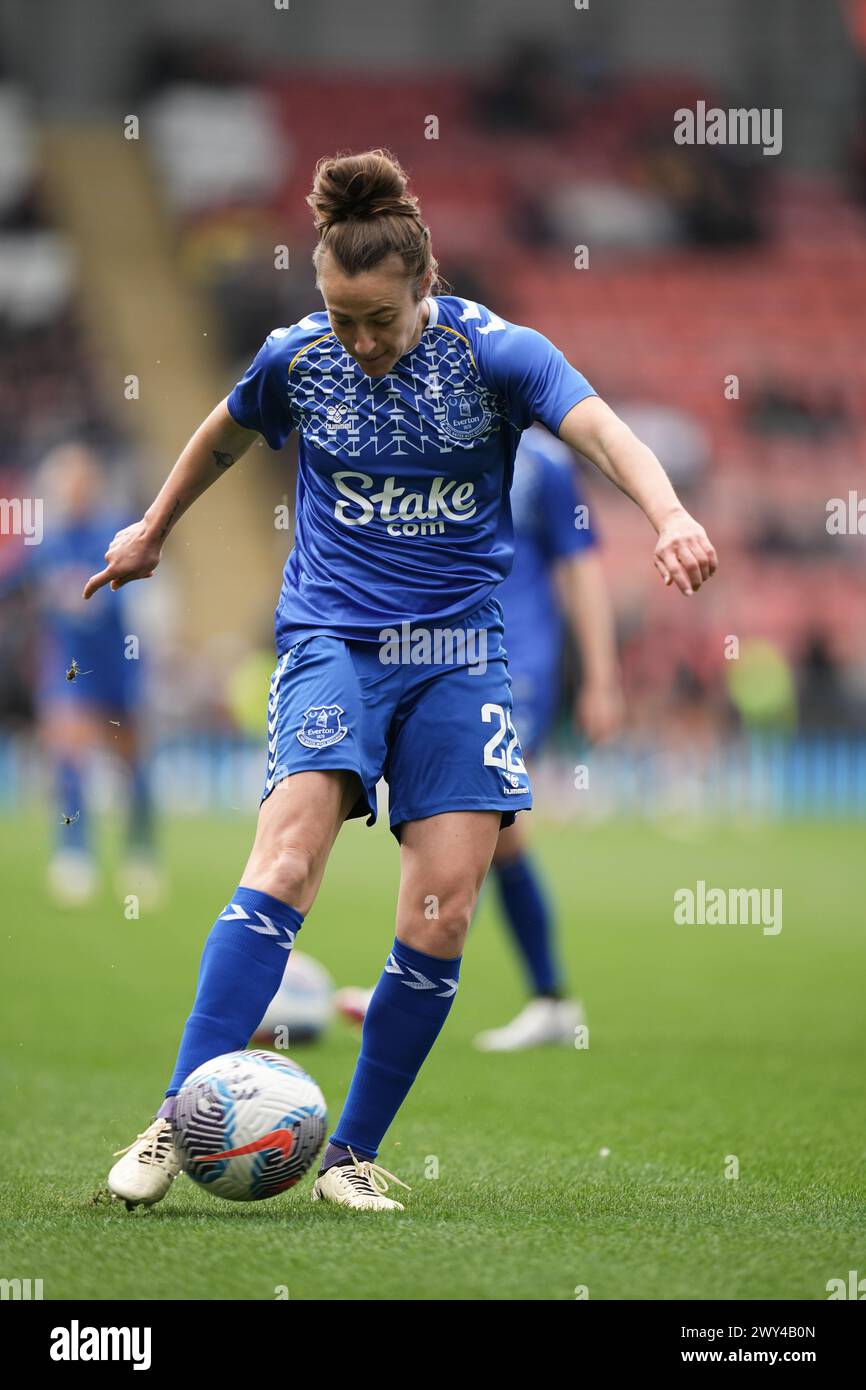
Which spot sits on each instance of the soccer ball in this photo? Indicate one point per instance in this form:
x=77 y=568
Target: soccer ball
x=248 y=1125
x=302 y=1006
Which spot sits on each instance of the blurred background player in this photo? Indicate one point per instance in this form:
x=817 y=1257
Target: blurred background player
x=87 y=690
x=556 y=582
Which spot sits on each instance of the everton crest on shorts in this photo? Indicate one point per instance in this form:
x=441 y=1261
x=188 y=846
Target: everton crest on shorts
x=322 y=726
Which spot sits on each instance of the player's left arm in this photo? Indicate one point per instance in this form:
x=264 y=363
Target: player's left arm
x=684 y=553
x=585 y=600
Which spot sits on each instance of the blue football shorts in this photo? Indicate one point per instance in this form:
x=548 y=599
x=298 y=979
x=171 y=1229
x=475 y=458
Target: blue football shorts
x=429 y=710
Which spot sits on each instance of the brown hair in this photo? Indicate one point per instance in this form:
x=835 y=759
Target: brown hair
x=363 y=212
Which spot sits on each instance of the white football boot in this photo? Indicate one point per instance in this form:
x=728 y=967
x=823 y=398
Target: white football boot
x=542 y=1021
x=141 y=875
x=72 y=879
x=361 y=1184
x=146 y=1168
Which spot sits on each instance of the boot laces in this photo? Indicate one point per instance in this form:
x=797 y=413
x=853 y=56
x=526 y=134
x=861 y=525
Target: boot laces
x=158 y=1147
x=371 y=1178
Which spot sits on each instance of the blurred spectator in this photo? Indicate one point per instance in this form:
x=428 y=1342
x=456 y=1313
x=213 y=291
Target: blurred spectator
x=467 y=279
x=171 y=61
x=674 y=434
x=217 y=146
x=230 y=254
x=822 y=700
x=808 y=410
x=526 y=93
x=610 y=215
x=711 y=191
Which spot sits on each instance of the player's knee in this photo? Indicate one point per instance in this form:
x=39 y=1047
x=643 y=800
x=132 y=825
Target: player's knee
x=442 y=929
x=450 y=939
x=290 y=867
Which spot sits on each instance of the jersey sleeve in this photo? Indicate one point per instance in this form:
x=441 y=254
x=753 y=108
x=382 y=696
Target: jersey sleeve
x=261 y=400
x=536 y=379
x=568 y=529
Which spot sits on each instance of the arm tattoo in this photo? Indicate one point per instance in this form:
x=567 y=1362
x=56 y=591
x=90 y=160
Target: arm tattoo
x=169 y=519
x=222 y=460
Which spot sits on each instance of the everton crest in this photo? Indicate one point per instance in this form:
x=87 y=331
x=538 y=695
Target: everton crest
x=466 y=415
x=322 y=726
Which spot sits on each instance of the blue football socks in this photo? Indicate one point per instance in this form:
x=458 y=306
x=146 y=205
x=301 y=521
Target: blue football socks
x=242 y=968
x=528 y=916
x=141 y=832
x=405 y=1015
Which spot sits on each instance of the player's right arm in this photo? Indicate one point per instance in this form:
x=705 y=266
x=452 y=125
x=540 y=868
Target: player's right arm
x=135 y=552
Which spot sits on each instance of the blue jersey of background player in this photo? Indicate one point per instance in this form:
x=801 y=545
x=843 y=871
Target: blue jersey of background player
x=93 y=635
x=554 y=561
x=551 y=523
x=87 y=692
x=556 y=580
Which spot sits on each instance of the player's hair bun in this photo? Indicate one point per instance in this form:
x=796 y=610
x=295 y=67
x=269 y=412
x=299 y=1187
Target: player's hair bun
x=359 y=186
x=363 y=212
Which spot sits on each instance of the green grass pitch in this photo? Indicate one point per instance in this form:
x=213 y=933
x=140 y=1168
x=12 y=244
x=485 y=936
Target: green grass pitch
x=705 y=1042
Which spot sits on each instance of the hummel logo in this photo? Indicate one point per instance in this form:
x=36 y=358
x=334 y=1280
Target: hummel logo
x=235 y=913
x=420 y=981
x=336 y=416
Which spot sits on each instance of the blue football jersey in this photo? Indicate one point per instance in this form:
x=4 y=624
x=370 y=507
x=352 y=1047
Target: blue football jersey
x=92 y=632
x=551 y=521
x=59 y=567
x=402 y=507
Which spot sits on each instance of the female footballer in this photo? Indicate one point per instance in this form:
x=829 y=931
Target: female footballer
x=409 y=407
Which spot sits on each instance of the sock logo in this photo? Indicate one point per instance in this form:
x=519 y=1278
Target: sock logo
x=265 y=926
x=420 y=981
